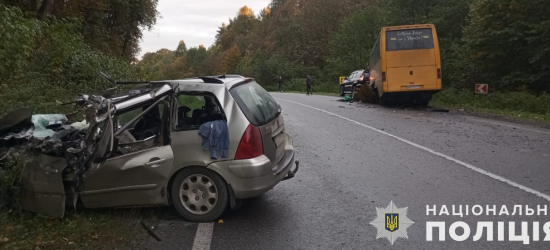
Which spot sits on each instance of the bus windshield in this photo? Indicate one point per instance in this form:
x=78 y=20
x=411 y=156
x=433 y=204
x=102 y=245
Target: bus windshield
x=410 y=39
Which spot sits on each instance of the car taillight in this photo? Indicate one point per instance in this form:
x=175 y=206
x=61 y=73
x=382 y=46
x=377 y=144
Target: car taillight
x=383 y=76
x=362 y=77
x=250 y=145
x=438 y=73
x=371 y=78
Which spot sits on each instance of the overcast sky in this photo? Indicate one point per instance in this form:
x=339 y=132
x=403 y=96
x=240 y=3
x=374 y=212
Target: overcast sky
x=194 y=21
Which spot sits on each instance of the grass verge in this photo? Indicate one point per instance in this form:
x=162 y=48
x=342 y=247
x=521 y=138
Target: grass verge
x=90 y=229
x=520 y=105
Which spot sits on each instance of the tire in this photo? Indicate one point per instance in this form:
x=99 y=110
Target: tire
x=199 y=194
x=342 y=90
x=423 y=101
x=385 y=101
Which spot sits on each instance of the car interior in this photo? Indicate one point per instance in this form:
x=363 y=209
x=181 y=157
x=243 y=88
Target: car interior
x=143 y=132
x=195 y=110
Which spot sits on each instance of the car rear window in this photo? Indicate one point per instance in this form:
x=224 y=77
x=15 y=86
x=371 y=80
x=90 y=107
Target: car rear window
x=259 y=106
x=409 y=39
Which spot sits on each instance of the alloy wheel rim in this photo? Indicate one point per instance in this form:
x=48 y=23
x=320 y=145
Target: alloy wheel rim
x=198 y=194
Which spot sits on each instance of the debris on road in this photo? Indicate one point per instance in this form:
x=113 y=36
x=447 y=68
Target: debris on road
x=150 y=231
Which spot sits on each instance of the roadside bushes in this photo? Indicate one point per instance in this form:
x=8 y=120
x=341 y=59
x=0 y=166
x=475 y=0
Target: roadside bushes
x=510 y=103
x=299 y=85
x=45 y=63
x=10 y=185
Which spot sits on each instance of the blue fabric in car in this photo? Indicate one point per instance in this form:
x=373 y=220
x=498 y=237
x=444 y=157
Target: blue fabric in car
x=215 y=136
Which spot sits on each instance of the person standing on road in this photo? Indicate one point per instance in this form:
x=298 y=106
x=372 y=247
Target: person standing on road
x=280 y=82
x=308 y=85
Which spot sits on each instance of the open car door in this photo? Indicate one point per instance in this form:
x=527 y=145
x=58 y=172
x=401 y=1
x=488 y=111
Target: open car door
x=137 y=169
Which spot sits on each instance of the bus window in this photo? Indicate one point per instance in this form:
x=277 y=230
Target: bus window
x=409 y=39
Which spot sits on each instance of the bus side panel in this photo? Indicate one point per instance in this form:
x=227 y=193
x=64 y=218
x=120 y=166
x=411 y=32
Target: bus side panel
x=376 y=66
x=437 y=56
x=383 y=59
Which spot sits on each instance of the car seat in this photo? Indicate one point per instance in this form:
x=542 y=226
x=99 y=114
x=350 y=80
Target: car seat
x=150 y=122
x=183 y=119
x=197 y=116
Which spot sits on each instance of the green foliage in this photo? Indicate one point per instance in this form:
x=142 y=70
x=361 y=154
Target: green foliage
x=518 y=104
x=352 y=44
x=507 y=42
x=10 y=186
x=53 y=64
x=17 y=41
x=299 y=85
x=113 y=27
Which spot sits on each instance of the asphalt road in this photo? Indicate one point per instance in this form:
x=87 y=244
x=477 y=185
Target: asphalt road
x=357 y=157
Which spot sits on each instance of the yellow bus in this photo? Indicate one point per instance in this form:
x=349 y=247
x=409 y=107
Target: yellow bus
x=405 y=65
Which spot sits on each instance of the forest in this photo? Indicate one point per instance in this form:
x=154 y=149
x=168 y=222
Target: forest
x=500 y=42
x=54 y=49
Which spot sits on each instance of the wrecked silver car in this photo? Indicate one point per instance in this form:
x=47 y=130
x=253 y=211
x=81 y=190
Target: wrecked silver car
x=199 y=144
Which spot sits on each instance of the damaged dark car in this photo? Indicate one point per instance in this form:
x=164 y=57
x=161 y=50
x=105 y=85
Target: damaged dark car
x=199 y=144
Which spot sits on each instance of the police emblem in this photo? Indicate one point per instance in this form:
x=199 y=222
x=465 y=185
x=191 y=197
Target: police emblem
x=391 y=222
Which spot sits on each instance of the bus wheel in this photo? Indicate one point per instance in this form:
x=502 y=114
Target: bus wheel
x=385 y=101
x=423 y=101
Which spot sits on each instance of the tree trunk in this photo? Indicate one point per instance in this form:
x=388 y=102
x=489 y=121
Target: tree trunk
x=44 y=10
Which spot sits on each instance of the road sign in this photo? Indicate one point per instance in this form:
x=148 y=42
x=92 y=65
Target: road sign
x=342 y=78
x=482 y=88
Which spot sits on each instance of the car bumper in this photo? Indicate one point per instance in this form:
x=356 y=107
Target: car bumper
x=253 y=177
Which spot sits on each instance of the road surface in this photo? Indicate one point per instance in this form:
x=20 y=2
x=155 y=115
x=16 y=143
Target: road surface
x=357 y=157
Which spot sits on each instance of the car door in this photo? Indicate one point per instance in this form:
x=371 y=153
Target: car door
x=43 y=190
x=137 y=170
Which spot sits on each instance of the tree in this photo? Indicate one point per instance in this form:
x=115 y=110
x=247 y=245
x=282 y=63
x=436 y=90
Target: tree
x=182 y=49
x=111 y=26
x=507 y=42
x=350 y=50
x=231 y=60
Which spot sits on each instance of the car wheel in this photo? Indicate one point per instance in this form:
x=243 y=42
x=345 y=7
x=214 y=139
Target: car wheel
x=199 y=194
x=342 y=90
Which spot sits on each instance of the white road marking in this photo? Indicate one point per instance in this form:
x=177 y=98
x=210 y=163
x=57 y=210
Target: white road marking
x=464 y=164
x=511 y=126
x=203 y=237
